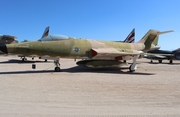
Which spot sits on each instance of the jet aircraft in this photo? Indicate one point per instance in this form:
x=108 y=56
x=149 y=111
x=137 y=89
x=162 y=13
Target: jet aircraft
x=94 y=53
x=7 y=39
x=163 y=55
x=129 y=39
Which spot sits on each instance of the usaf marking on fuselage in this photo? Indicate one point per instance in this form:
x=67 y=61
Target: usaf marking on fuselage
x=95 y=53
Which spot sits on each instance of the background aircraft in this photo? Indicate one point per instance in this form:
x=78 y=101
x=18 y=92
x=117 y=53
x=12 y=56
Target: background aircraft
x=93 y=52
x=7 y=39
x=45 y=33
x=131 y=37
x=163 y=55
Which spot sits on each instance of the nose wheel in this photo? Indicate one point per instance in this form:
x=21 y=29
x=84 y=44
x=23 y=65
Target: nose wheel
x=24 y=59
x=57 y=69
x=57 y=64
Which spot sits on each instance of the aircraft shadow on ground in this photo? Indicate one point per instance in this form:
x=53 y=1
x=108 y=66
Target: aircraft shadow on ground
x=78 y=69
x=20 y=61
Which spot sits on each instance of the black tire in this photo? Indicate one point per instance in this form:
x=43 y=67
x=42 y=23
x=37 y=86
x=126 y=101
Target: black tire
x=160 y=61
x=57 y=69
x=170 y=61
x=24 y=59
x=130 y=69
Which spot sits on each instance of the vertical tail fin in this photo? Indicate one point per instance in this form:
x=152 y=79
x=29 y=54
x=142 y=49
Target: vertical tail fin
x=176 y=50
x=46 y=32
x=150 y=39
x=131 y=37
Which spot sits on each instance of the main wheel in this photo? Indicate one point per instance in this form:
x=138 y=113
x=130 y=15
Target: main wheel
x=57 y=69
x=160 y=61
x=131 y=69
x=24 y=59
x=170 y=61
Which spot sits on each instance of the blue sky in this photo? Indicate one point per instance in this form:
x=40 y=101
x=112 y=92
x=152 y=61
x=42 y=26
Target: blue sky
x=94 y=19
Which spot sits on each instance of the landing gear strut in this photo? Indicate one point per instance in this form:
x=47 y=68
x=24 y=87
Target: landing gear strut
x=57 y=68
x=133 y=66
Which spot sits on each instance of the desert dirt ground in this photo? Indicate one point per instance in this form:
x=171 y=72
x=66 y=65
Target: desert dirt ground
x=152 y=90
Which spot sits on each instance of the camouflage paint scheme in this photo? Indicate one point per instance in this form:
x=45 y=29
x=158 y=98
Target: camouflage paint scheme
x=69 y=47
x=58 y=46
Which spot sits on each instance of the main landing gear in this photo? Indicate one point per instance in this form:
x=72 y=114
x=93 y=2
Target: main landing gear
x=24 y=59
x=160 y=61
x=133 y=66
x=170 y=61
x=57 y=68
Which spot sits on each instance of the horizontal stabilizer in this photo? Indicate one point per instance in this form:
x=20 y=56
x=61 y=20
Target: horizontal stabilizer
x=158 y=54
x=166 y=32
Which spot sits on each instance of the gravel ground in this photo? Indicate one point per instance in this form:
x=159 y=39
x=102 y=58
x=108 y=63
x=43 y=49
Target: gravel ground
x=152 y=90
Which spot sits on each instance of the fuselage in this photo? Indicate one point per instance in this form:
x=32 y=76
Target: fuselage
x=68 y=48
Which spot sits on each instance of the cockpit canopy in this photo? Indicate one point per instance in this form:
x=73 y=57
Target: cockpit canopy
x=53 y=38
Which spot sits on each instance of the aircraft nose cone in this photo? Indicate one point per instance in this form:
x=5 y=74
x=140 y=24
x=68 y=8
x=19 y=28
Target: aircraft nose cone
x=3 y=49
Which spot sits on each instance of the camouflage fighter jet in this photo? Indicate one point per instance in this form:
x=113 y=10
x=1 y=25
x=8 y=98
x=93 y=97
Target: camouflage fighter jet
x=129 y=39
x=95 y=53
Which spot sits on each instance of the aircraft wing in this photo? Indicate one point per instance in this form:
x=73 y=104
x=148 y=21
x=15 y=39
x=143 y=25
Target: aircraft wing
x=112 y=53
x=158 y=55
